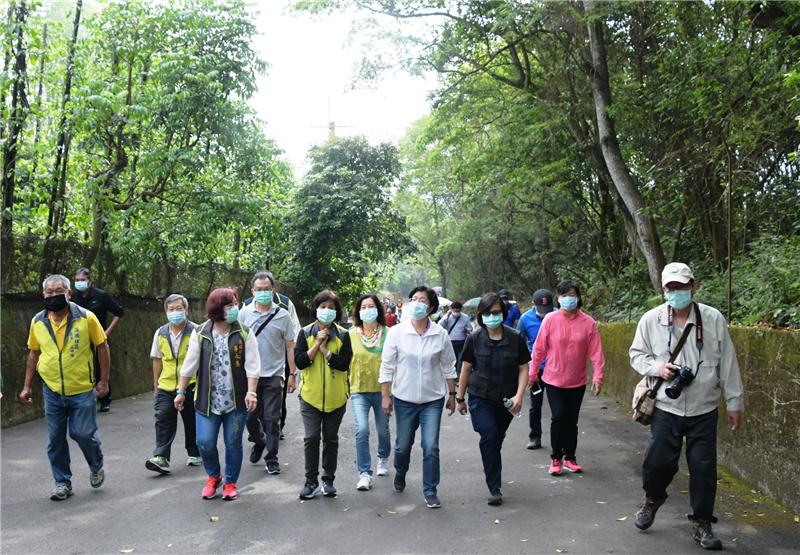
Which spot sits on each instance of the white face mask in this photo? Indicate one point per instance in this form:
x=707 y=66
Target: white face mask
x=326 y=315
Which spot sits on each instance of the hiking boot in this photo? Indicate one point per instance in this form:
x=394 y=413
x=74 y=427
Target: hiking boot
x=383 y=466
x=704 y=536
x=272 y=467
x=310 y=490
x=572 y=465
x=229 y=492
x=399 y=482
x=61 y=492
x=328 y=489
x=191 y=460
x=647 y=513
x=210 y=489
x=159 y=464
x=364 y=482
x=256 y=452
x=96 y=479
x=495 y=499
x=535 y=443
x=555 y=467
x=432 y=502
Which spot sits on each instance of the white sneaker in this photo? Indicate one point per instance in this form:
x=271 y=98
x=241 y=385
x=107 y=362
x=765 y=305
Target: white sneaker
x=383 y=466
x=364 y=482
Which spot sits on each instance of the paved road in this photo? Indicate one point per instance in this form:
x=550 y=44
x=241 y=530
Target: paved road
x=584 y=513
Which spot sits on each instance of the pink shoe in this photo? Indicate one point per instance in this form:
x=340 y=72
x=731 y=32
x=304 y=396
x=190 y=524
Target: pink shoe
x=229 y=492
x=555 y=467
x=572 y=465
x=210 y=490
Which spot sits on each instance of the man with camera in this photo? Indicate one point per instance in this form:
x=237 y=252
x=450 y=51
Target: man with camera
x=686 y=404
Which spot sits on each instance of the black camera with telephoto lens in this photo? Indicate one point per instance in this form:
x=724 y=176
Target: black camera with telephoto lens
x=684 y=376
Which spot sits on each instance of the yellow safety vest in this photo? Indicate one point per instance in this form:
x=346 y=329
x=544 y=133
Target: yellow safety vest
x=323 y=387
x=170 y=363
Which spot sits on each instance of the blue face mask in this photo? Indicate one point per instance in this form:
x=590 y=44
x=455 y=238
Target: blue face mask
x=326 y=315
x=82 y=285
x=679 y=299
x=263 y=297
x=368 y=315
x=492 y=321
x=419 y=311
x=176 y=317
x=568 y=303
x=232 y=315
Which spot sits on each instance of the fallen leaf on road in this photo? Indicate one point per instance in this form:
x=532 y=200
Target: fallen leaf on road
x=525 y=540
x=380 y=515
x=497 y=521
x=510 y=482
x=734 y=539
x=213 y=518
x=302 y=501
x=169 y=545
x=602 y=502
x=345 y=509
x=126 y=550
x=392 y=512
x=760 y=514
x=458 y=460
x=620 y=519
x=561 y=550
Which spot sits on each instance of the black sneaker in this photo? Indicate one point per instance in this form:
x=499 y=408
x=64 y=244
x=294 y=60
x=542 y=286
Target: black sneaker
x=705 y=536
x=432 y=502
x=495 y=499
x=255 y=452
x=273 y=467
x=535 y=443
x=399 y=482
x=61 y=492
x=310 y=490
x=647 y=513
x=328 y=489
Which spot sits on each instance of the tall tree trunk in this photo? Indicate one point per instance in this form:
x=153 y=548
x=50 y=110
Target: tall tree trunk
x=620 y=174
x=57 y=204
x=39 y=94
x=8 y=52
x=19 y=112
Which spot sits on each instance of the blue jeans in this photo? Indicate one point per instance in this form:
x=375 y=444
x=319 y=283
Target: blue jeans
x=409 y=417
x=490 y=420
x=78 y=414
x=362 y=402
x=232 y=430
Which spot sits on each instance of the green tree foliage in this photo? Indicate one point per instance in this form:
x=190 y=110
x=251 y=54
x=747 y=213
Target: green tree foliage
x=167 y=166
x=344 y=228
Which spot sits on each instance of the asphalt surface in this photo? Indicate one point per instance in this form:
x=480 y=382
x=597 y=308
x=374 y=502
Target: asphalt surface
x=137 y=511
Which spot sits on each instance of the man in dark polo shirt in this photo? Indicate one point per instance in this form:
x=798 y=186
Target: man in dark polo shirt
x=100 y=304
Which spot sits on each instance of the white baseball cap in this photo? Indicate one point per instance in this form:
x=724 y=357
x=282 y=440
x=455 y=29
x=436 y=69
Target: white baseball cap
x=676 y=271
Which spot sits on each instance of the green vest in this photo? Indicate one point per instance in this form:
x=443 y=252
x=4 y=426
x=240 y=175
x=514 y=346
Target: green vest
x=321 y=386
x=236 y=338
x=69 y=370
x=365 y=365
x=171 y=362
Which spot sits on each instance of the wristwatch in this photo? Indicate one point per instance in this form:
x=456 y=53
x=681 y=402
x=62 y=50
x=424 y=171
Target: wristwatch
x=462 y=400
x=292 y=374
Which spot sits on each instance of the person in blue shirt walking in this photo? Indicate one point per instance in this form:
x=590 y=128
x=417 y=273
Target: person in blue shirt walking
x=529 y=324
x=512 y=310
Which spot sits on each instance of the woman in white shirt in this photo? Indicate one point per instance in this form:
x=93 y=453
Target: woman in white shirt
x=417 y=379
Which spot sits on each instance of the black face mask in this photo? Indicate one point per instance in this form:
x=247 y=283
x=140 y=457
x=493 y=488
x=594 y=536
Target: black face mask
x=55 y=303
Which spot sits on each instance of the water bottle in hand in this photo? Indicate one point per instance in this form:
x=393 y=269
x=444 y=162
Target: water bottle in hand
x=508 y=404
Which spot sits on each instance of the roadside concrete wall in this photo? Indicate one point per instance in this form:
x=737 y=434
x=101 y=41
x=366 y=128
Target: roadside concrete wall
x=765 y=450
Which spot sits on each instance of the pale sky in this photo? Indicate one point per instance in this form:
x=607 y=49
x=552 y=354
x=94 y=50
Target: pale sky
x=310 y=64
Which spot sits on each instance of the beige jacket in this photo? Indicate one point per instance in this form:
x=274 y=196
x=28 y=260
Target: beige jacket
x=718 y=372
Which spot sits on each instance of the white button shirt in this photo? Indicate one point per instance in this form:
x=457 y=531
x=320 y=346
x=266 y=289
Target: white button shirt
x=417 y=365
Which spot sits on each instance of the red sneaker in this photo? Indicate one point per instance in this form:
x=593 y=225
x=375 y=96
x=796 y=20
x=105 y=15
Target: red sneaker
x=229 y=492
x=555 y=467
x=210 y=490
x=572 y=465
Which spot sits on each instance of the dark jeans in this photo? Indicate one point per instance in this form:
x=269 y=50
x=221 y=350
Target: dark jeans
x=458 y=346
x=663 y=450
x=325 y=425
x=565 y=406
x=167 y=423
x=428 y=418
x=76 y=414
x=263 y=424
x=285 y=391
x=491 y=420
x=535 y=412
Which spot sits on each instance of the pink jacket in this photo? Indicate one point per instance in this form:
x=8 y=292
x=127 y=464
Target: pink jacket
x=567 y=341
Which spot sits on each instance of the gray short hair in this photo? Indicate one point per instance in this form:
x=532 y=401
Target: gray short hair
x=263 y=274
x=176 y=297
x=56 y=277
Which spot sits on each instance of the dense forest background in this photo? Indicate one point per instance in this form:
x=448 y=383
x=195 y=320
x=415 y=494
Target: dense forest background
x=588 y=139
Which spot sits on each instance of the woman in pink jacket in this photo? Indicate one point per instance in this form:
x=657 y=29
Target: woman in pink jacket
x=566 y=339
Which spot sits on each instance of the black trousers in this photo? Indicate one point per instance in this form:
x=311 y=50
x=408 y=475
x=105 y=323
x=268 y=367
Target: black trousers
x=285 y=391
x=491 y=420
x=663 y=451
x=104 y=401
x=167 y=423
x=324 y=425
x=458 y=346
x=263 y=424
x=565 y=406
x=535 y=412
